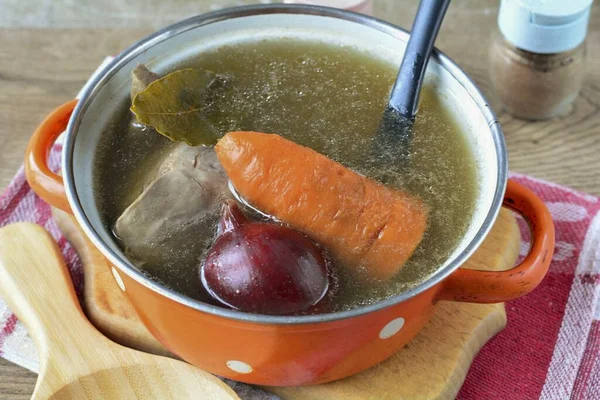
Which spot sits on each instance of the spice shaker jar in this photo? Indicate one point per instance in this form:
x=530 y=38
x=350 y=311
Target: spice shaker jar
x=537 y=57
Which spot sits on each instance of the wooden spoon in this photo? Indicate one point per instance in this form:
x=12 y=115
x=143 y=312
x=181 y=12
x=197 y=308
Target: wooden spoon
x=77 y=361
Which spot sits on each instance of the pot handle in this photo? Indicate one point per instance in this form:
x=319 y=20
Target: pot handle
x=45 y=183
x=476 y=286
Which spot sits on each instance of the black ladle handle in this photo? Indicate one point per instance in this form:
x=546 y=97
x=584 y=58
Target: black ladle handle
x=405 y=93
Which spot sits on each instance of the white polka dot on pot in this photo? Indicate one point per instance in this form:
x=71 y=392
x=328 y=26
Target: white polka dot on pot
x=118 y=279
x=391 y=328
x=239 y=366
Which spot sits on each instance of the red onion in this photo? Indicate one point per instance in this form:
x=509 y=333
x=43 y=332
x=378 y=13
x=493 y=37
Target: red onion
x=263 y=267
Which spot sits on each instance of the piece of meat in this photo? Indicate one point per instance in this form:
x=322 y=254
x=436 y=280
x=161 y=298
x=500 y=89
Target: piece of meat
x=141 y=77
x=174 y=208
x=186 y=157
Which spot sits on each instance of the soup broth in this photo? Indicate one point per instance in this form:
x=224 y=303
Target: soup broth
x=331 y=99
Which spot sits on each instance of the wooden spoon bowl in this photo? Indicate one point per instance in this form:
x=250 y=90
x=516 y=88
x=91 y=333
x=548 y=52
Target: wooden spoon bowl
x=77 y=361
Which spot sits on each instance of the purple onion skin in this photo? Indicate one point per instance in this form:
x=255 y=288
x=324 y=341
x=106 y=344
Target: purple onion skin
x=263 y=268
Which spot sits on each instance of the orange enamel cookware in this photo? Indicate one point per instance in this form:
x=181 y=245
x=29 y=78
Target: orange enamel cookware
x=289 y=350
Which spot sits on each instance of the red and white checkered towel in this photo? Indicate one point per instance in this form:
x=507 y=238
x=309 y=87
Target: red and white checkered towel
x=550 y=348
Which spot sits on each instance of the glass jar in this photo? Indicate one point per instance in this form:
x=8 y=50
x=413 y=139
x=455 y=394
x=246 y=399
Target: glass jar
x=533 y=85
x=537 y=57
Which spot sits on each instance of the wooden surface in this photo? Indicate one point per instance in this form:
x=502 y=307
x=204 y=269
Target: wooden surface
x=432 y=366
x=49 y=48
x=77 y=361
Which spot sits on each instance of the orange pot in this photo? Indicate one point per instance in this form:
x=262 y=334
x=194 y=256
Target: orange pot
x=289 y=350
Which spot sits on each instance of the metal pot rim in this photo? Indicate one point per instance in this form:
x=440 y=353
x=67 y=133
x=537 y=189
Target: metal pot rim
x=450 y=66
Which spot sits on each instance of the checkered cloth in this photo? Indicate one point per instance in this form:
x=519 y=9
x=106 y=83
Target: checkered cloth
x=550 y=348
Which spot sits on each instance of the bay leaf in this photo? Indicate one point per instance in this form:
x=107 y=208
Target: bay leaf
x=180 y=104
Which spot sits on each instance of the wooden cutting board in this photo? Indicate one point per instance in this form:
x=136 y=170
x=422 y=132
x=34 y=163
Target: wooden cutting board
x=432 y=366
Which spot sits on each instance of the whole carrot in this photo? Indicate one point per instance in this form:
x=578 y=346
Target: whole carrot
x=363 y=224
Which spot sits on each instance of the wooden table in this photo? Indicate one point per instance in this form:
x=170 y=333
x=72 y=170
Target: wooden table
x=48 y=50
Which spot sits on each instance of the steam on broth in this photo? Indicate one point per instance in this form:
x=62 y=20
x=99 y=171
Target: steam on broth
x=328 y=98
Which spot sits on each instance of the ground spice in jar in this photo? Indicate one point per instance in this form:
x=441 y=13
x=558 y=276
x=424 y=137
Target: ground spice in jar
x=533 y=85
x=537 y=61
